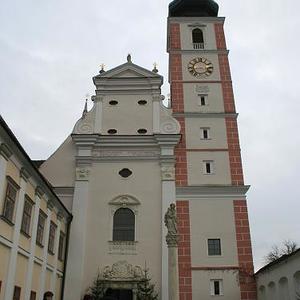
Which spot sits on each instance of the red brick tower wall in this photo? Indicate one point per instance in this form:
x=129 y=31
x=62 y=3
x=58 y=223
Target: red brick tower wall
x=247 y=282
x=243 y=239
x=184 y=245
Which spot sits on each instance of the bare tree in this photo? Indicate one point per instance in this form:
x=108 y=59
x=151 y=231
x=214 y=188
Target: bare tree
x=287 y=248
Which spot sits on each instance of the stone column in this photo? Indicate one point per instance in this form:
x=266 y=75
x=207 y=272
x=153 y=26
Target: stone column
x=168 y=196
x=172 y=242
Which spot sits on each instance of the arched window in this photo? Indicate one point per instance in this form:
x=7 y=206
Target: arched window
x=198 y=40
x=271 y=291
x=48 y=296
x=297 y=283
x=262 y=292
x=284 y=289
x=124 y=225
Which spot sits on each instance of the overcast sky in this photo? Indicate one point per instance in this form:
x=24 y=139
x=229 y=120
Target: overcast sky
x=49 y=51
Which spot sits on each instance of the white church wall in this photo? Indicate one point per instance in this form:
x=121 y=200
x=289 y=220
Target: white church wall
x=106 y=184
x=127 y=116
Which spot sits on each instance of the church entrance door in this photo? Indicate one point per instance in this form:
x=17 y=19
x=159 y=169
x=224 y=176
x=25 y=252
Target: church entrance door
x=114 y=294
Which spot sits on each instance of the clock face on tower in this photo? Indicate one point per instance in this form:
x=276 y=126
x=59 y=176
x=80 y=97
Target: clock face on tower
x=200 y=67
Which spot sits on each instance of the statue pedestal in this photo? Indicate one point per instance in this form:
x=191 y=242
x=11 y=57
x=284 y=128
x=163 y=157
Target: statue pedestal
x=173 y=284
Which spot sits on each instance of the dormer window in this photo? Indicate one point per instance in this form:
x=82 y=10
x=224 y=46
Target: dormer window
x=198 y=40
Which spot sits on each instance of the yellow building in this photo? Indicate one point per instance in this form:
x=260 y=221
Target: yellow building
x=34 y=227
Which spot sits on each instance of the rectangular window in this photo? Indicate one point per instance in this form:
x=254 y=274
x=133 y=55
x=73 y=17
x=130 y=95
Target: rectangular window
x=10 y=200
x=32 y=295
x=61 y=246
x=202 y=100
x=26 y=219
x=40 y=228
x=214 y=246
x=51 y=242
x=205 y=133
x=208 y=166
x=17 y=293
x=216 y=287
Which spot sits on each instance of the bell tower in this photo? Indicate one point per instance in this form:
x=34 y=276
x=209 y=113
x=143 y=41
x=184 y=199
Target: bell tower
x=215 y=254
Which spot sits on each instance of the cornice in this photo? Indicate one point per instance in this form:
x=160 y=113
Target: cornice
x=197 y=19
x=39 y=191
x=65 y=190
x=212 y=191
x=97 y=140
x=24 y=174
x=50 y=204
x=5 y=151
x=205 y=115
x=200 y=51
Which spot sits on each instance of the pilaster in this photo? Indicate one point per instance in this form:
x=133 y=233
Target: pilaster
x=12 y=265
x=75 y=267
x=32 y=244
x=156 y=113
x=56 y=246
x=98 y=100
x=45 y=252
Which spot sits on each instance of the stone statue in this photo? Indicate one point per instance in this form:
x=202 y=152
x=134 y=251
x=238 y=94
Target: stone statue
x=171 y=220
x=172 y=240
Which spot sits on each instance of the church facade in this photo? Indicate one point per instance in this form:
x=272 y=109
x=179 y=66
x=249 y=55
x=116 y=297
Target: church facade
x=130 y=157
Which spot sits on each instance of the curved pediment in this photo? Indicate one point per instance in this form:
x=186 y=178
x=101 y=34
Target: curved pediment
x=124 y=200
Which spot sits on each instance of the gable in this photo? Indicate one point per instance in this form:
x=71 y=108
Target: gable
x=127 y=70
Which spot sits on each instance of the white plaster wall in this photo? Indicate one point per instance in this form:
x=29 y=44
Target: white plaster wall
x=196 y=174
x=208 y=33
x=288 y=269
x=212 y=218
x=217 y=133
x=59 y=168
x=213 y=58
x=201 y=285
x=128 y=116
x=106 y=184
x=191 y=92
